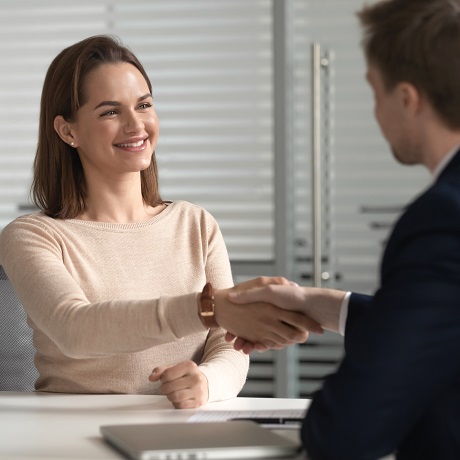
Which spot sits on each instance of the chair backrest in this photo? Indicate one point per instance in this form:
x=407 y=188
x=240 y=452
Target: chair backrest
x=17 y=369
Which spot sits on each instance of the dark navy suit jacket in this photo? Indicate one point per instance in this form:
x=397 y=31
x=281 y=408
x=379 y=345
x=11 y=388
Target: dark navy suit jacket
x=398 y=386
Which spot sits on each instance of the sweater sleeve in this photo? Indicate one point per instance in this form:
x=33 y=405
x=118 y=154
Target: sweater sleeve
x=225 y=368
x=33 y=260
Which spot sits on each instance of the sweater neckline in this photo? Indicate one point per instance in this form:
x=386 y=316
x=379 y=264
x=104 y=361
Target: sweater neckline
x=126 y=226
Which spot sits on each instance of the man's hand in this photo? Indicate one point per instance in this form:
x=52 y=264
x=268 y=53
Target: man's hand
x=321 y=305
x=183 y=384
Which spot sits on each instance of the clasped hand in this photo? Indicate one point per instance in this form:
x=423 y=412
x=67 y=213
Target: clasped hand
x=254 y=323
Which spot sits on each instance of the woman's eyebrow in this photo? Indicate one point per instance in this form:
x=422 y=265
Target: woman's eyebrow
x=145 y=96
x=111 y=103
x=117 y=104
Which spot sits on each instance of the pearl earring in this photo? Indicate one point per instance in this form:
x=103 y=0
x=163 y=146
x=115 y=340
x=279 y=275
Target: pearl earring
x=72 y=143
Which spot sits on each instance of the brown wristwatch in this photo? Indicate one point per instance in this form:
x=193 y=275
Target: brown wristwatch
x=206 y=306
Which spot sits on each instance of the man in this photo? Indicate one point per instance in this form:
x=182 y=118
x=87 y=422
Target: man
x=397 y=389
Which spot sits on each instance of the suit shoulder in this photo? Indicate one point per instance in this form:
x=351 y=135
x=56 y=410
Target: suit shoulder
x=440 y=203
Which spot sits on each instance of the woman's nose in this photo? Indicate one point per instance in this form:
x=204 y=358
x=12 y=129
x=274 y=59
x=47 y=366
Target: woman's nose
x=133 y=123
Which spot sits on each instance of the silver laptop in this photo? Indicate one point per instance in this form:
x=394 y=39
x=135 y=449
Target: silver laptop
x=199 y=441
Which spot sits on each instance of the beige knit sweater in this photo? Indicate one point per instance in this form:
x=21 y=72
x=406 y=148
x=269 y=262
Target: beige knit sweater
x=109 y=302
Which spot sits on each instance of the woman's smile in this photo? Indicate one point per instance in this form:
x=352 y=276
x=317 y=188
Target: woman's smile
x=133 y=146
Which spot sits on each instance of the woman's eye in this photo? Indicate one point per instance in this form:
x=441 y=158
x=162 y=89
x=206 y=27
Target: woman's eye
x=145 y=105
x=108 y=113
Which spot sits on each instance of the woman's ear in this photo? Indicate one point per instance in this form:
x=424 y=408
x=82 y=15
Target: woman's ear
x=64 y=130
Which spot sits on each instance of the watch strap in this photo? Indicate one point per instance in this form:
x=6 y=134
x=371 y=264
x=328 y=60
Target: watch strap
x=206 y=306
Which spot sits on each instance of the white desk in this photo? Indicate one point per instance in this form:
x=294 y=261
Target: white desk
x=66 y=427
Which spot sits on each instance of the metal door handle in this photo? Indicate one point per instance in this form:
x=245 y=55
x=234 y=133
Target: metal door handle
x=317 y=63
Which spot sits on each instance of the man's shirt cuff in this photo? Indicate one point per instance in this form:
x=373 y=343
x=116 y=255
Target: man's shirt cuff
x=344 y=313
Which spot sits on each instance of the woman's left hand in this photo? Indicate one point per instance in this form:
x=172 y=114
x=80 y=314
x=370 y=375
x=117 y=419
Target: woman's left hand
x=183 y=384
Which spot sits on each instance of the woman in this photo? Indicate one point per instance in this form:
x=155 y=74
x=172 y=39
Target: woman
x=110 y=274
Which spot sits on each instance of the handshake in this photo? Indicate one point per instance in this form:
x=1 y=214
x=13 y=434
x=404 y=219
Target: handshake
x=272 y=313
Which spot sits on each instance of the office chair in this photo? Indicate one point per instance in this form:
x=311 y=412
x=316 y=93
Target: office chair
x=17 y=369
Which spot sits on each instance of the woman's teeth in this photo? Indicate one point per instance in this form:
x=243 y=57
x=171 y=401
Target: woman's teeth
x=132 y=144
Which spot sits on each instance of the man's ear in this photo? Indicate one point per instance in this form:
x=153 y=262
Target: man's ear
x=411 y=99
x=64 y=130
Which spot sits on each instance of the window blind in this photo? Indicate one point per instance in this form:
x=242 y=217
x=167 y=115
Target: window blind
x=31 y=34
x=210 y=63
